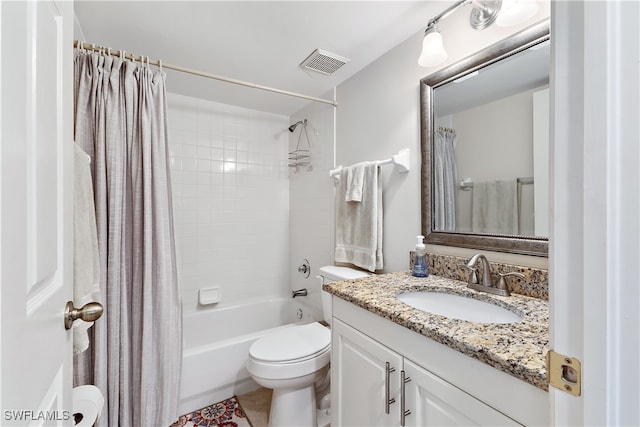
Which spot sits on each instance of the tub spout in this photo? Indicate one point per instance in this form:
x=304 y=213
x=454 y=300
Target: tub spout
x=299 y=293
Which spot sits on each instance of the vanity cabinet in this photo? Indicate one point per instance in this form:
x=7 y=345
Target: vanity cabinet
x=372 y=385
x=361 y=374
x=443 y=387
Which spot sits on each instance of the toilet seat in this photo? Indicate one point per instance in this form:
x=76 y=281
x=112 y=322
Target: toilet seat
x=292 y=352
x=294 y=344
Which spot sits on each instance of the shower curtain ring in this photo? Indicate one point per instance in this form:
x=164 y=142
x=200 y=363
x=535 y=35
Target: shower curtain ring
x=160 y=64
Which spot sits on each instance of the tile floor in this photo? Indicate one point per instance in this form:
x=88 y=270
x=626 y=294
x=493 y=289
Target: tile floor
x=256 y=405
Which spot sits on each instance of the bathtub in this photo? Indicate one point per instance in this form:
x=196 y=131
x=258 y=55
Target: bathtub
x=216 y=348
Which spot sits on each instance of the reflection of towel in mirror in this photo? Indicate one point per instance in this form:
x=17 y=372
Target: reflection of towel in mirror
x=359 y=224
x=355 y=176
x=86 y=269
x=495 y=207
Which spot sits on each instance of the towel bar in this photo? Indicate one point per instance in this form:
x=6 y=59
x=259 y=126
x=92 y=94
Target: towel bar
x=401 y=160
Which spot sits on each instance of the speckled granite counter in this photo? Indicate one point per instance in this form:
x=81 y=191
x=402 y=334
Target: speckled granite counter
x=518 y=349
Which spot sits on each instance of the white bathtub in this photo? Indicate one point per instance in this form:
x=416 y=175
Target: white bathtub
x=216 y=349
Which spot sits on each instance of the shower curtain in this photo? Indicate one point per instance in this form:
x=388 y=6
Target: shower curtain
x=135 y=355
x=445 y=177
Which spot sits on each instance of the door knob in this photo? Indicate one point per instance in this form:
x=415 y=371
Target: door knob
x=89 y=313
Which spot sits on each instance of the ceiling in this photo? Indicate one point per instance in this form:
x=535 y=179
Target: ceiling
x=518 y=73
x=262 y=42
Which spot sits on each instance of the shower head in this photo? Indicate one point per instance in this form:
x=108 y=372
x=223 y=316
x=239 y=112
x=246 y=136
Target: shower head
x=295 y=125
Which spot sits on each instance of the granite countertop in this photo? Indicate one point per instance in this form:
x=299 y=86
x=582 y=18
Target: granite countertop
x=518 y=349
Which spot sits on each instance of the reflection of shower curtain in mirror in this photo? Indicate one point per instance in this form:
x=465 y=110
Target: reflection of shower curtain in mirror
x=445 y=178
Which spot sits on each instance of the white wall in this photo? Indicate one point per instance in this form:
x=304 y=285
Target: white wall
x=311 y=205
x=494 y=141
x=378 y=113
x=231 y=199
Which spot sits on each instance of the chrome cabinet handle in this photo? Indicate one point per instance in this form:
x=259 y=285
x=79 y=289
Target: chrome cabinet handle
x=403 y=412
x=89 y=313
x=387 y=401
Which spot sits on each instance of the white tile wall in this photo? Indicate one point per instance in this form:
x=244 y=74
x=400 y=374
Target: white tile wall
x=231 y=199
x=311 y=204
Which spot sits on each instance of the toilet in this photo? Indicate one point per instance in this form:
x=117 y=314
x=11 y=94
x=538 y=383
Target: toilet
x=293 y=360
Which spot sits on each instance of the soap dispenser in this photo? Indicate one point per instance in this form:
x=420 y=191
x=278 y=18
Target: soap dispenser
x=420 y=268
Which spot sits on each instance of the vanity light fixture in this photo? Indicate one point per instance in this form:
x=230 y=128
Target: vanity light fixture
x=433 y=52
x=514 y=12
x=484 y=14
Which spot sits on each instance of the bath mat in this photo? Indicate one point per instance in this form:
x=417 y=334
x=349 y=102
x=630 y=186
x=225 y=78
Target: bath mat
x=227 y=413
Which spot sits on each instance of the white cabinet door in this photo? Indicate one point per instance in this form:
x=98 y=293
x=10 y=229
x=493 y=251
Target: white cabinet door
x=36 y=89
x=434 y=402
x=359 y=380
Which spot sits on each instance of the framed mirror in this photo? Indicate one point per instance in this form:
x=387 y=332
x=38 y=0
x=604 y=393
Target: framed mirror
x=485 y=144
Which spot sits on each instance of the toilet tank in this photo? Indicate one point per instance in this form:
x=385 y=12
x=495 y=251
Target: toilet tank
x=333 y=273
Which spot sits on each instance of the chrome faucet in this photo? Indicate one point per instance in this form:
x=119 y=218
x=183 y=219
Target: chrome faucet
x=486 y=285
x=299 y=293
x=486 y=269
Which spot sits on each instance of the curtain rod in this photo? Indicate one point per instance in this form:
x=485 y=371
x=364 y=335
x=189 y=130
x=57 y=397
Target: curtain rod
x=159 y=63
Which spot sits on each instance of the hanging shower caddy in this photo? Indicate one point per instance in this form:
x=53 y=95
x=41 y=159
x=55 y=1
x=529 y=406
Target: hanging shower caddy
x=301 y=156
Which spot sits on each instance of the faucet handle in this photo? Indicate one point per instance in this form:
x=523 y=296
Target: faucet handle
x=473 y=276
x=502 y=283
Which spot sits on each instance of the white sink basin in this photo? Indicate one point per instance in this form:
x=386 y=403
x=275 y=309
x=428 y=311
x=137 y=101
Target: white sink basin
x=459 y=307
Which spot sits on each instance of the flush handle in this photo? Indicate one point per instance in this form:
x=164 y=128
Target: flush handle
x=89 y=312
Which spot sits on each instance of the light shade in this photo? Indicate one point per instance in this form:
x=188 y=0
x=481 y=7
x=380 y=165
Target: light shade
x=433 y=52
x=514 y=12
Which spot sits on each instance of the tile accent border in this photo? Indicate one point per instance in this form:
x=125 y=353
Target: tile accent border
x=535 y=283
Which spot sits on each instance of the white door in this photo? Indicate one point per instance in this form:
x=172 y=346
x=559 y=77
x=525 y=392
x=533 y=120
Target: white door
x=360 y=381
x=35 y=211
x=595 y=236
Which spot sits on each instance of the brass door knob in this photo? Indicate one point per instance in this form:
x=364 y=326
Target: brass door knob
x=89 y=313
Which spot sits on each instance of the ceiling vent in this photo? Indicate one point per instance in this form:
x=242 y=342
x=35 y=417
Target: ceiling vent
x=323 y=62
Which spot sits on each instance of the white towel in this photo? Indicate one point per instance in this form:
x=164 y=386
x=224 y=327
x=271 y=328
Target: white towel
x=495 y=207
x=355 y=176
x=86 y=268
x=359 y=225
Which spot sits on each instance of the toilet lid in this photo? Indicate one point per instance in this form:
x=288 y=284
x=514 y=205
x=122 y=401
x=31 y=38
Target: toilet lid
x=291 y=344
x=334 y=273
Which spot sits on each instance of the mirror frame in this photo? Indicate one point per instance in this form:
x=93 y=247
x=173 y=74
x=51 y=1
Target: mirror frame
x=525 y=245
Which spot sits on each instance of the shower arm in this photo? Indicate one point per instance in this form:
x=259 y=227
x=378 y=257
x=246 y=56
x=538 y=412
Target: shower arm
x=295 y=125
